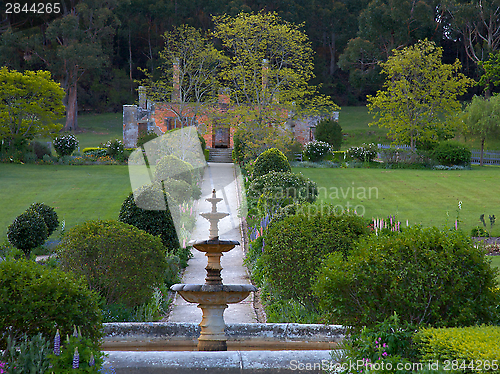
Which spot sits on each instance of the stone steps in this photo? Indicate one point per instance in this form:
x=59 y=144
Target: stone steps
x=221 y=155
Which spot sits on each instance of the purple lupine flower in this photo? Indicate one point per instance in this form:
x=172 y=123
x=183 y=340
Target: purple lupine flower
x=76 y=359
x=263 y=245
x=75 y=333
x=57 y=343
x=92 y=360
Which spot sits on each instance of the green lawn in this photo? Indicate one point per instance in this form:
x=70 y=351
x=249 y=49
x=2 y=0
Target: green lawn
x=427 y=197
x=97 y=129
x=354 y=122
x=78 y=193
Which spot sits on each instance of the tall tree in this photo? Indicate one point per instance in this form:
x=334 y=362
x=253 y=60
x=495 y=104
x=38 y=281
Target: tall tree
x=477 y=23
x=385 y=25
x=482 y=119
x=81 y=41
x=270 y=66
x=419 y=92
x=30 y=105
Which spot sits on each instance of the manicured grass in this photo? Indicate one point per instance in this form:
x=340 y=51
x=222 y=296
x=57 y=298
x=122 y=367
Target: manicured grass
x=78 y=193
x=427 y=197
x=97 y=129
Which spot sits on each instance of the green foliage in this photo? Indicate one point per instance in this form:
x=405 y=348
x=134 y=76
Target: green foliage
x=478 y=231
x=155 y=222
x=276 y=189
x=271 y=159
x=470 y=344
x=329 y=131
x=389 y=341
x=27 y=231
x=452 y=153
x=419 y=91
x=114 y=148
x=317 y=150
x=481 y=118
x=30 y=105
x=238 y=153
x=48 y=214
x=36 y=299
x=365 y=153
x=40 y=149
x=117 y=260
x=75 y=354
x=65 y=144
x=425 y=275
x=173 y=167
x=29 y=355
x=296 y=246
x=179 y=190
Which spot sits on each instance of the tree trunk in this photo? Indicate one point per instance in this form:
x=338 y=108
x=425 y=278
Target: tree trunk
x=71 y=108
x=482 y=151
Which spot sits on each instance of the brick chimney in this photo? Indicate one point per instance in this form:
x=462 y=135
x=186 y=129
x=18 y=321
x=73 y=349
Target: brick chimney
x=176 y=93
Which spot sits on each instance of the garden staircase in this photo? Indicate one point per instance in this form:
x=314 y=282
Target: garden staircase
x=220 y=155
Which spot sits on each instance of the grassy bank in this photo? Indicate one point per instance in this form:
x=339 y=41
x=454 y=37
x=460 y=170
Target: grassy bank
x=78 y=193
x=427 y=197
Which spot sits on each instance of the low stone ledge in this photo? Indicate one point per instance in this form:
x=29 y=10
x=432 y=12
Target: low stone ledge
x=162 y=336
x=248 y=362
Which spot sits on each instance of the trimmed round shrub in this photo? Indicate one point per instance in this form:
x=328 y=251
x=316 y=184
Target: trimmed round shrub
x=425 y=275
x=27 y=231
x=155 y=222
x=270 y=160
x=316 y=150
x=283 y=188
x=37 y=299
x=296 y=247
x=365 y=153
x=452 y=153
x=329 y=131
x=173 y=167
x=179 y=190
x=65 y=144
x=119 y=261
x=48 y=214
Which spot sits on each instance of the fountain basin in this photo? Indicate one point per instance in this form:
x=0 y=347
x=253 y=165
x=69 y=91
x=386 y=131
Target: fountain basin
x=207 y=294
x=215 y=245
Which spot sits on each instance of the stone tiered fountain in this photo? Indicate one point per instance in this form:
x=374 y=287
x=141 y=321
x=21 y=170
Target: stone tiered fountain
x=213 y=296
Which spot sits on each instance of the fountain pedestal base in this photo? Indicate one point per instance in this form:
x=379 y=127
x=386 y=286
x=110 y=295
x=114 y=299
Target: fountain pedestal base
x=212 y=335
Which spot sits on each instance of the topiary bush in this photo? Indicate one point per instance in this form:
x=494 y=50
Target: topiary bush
x=296 y=246
x=173 y=167
x=270 y=160
x=425 y=275
x=316 y=150
x=145 y=137
x=155 y=222
x=329 y=131
x=27 y=231
x=282 y=188
x=37 y=299
x=119 y=261
x=48 y=214
x=452 y=153
x=40 y=149
x=65 y=144
x=179 y=190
